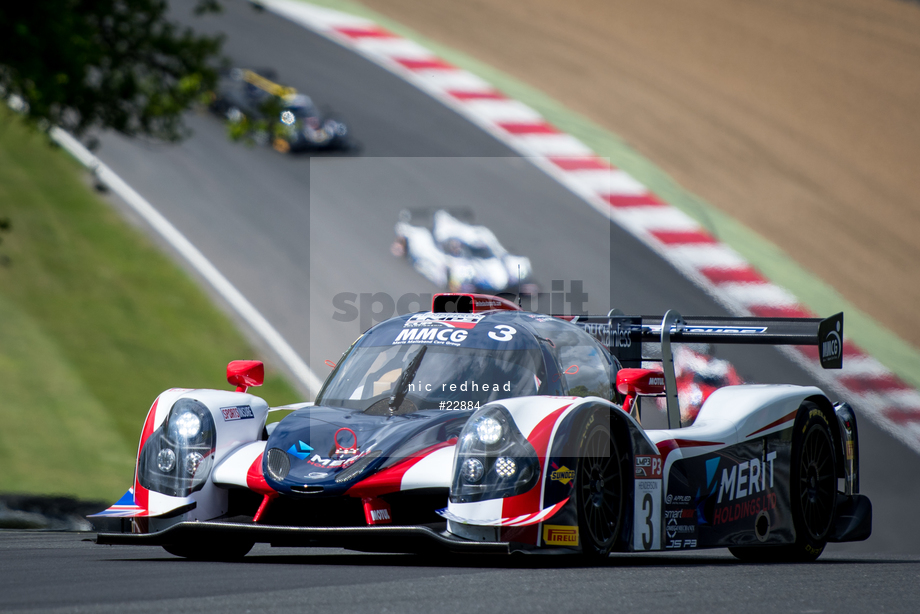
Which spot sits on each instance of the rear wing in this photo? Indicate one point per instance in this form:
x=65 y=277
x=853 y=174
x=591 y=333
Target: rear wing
x=623 y=335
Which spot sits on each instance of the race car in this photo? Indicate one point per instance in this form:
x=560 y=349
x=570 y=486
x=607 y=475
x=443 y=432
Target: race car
x=478 y=427
x=244 y=96
x=462 y=257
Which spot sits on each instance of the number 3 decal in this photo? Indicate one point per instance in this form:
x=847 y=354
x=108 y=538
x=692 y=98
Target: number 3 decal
x=648 y=505
x=647 y=515
x=505 y=333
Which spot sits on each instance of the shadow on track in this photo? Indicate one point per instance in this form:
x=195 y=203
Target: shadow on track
x=523 y=561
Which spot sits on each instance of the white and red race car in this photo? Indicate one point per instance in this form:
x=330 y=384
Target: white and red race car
x=477 y=427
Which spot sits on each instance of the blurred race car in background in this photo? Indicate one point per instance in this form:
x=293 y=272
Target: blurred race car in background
x=461 y=257
x=698 y=374
x=246 y=97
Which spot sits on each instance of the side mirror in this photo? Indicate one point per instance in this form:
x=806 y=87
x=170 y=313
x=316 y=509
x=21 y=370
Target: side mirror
x=636 y=383
x=245 y=373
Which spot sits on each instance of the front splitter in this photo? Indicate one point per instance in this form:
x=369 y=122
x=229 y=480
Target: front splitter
x=396 y=539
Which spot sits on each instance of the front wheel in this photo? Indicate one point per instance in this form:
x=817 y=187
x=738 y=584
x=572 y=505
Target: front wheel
x=601 y=494
x=812 y=488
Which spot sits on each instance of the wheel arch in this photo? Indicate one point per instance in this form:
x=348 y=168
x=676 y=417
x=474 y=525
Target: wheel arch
x=825 y=405
x=629 y=438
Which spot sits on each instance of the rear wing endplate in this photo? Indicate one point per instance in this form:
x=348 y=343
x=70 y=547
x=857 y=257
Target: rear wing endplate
x=624 y=335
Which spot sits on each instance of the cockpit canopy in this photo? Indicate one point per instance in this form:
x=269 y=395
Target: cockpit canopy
x=469 y=360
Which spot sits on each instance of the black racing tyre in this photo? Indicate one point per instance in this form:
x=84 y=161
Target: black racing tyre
x=210 y=550
x=812 y=489
x=600 y=490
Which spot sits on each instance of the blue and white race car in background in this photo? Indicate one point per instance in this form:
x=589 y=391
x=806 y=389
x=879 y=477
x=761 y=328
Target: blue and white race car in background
x=478 y=427
x=462 y=257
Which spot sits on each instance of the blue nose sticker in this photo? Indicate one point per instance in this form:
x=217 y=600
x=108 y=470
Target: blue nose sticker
x=304 y=451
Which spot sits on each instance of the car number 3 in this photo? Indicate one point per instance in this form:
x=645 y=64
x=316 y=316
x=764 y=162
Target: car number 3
x=647 y=506
x=505 y=332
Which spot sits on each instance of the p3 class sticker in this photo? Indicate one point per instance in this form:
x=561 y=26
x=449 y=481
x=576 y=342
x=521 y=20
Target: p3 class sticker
x=648 y=467
x=647 y=515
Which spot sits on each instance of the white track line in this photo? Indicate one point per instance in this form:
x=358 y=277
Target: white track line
x=194 y=257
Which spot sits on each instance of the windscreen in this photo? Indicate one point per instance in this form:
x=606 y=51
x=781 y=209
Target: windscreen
x=480 y=251
x=446 y=377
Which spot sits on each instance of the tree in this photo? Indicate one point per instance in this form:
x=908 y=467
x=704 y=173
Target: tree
x=118 y=64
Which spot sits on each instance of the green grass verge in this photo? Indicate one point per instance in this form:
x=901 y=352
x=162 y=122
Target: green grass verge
x=896 y=354
x=94 y=323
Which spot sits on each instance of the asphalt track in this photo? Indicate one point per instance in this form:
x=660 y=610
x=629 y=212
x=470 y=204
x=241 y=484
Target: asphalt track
x=65 y=573
x=292 y=232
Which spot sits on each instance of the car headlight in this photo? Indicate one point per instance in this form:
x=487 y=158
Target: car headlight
x=187 y=426
x=193 y=462
x=166 y=460
x=493 y=459
x=471 y=471
x=489 y=430
x=176 y=458
x=505 y=467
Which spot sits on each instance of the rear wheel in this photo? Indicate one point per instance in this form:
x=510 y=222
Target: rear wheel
x=600 y=492
x=813 y=491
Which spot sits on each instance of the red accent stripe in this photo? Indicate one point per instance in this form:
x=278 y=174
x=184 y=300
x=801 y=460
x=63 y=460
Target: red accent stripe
x=721 y=275
x=266 y=500
x=390 y=479
x=370 y=32
x=429 y=64
x=528 y=128
x=529 y=502
x=787 y=418
x=683 y=237
x=873 y=383
x=772 y=311
x=642 y=200
x=582 y=163
x=141 y=494
x=478 y=95
x=255 y=479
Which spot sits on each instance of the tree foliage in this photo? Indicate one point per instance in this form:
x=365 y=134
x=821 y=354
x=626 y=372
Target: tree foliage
x=119 y=64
